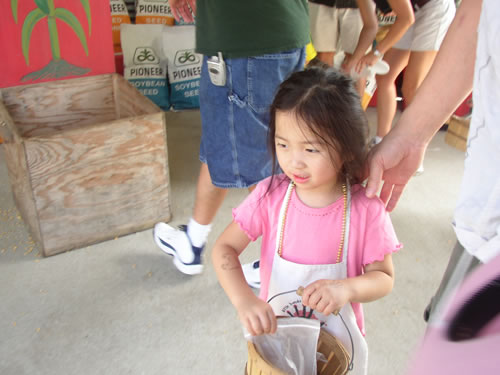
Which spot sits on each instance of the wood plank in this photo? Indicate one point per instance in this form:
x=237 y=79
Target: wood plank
x=100 y=182
x=116 y=96
x=21 y=189
x=456 y=141
x=458 y=132
x=8 y=129
x=131 y=102
x=51 y=107
x=459 y=126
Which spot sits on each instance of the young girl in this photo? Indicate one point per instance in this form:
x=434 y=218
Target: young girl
x=318 y=228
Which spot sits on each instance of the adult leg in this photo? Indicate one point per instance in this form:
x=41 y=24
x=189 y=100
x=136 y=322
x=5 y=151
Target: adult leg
x=187 y=242
x=326 y=57
x=323 y=22
x=209 y=198
x=350 y=35
x=386 y=89
x=418 y=66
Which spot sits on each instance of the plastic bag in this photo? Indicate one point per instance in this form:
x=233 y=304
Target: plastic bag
x=292 y=348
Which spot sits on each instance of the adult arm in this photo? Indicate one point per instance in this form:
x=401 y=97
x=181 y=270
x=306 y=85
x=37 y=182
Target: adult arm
x=405 y=18
x=366 y=37
x=256 y=315
x=449 y=81
x=181 y=8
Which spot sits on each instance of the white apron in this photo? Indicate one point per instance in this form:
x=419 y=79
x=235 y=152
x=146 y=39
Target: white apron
x=287 y=276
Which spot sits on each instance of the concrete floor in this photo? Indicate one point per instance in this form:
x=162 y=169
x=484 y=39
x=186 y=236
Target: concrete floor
x=121 y=307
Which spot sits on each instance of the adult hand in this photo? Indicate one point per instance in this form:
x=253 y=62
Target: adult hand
x=369 y=59
x=257 y=316
x=360 y=66
x=182 y=8
x=351 y=63
x=394 y=160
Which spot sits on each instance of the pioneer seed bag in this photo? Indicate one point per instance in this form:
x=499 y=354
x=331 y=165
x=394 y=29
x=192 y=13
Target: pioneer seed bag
x=153 y=12
x=184 y=66
x=119 y=15
x=145 y=65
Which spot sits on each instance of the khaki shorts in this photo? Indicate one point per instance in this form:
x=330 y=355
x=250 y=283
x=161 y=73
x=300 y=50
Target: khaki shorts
x=430 y=27
x=334 y=29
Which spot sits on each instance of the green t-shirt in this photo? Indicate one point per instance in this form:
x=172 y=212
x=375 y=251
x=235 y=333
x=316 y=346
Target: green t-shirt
x=242 y=28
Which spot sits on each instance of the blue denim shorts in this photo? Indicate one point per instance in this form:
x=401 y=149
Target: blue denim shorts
x=235 y=117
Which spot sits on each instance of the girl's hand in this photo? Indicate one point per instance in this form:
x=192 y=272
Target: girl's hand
x=257 y=316
x=326 y=296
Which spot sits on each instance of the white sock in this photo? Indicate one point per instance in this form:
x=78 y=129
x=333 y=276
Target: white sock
x=378 y=139
x=198 y=233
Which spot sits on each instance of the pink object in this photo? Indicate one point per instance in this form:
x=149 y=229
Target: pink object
x=306 y=241
x=473 y=311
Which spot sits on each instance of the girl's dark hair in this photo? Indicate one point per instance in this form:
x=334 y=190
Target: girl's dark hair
x=328 y=104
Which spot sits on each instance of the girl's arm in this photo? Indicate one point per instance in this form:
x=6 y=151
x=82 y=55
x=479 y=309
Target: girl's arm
x=256 y=315
x=327 y=296
x=405 y=18
x=366 y=37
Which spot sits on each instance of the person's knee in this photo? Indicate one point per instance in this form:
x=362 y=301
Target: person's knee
x=408 y=89
x=384 y=82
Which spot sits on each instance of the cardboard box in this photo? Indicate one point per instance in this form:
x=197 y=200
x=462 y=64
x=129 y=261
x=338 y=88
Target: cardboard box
x=458 y=131
x=87 y=160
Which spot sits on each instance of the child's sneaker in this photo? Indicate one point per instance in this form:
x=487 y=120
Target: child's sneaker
x=175 y=242
x=252 y=273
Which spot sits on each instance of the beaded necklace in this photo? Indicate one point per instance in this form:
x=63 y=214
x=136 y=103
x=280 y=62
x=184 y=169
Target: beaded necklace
x=341 y=244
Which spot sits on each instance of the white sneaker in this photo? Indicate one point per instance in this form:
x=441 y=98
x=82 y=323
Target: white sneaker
x=420 y=170
x=252 y=273
x=374 y=141
x=176 y=242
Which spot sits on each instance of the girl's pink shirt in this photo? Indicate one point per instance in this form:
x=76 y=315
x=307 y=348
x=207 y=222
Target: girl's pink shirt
x=312 y=235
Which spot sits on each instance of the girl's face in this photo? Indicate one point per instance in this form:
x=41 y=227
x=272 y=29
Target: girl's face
x=307 y=161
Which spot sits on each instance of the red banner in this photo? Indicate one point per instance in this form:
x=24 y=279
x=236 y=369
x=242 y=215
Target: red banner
x=43 y=40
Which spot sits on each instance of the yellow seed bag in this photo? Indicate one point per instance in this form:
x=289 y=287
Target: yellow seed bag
x=154 y=12
x=119 y=15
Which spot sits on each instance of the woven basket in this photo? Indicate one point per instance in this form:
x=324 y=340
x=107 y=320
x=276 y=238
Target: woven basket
x=337 y=358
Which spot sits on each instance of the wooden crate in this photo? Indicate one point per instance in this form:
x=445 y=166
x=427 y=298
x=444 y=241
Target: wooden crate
x=87 y=160
x=458 y=131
